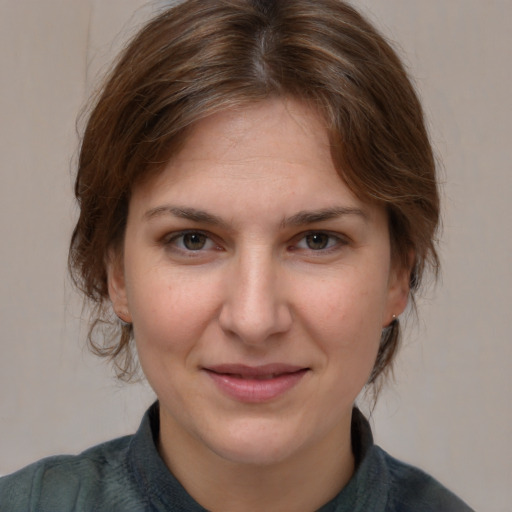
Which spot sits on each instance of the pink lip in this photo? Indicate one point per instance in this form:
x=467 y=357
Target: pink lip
x=255 y=384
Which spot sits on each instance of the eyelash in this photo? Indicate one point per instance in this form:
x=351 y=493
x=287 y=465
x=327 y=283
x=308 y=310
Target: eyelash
x=176 y=241
x=333 y=242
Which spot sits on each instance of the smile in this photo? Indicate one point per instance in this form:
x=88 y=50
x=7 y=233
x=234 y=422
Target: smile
x=255 y=384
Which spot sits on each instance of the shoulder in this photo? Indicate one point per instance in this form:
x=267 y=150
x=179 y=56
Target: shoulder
x=99 y=475
x=412 y=489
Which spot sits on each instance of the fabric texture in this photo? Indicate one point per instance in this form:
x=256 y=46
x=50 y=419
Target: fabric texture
x=128 y=475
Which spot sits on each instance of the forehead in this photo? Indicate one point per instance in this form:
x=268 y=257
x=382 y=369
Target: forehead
x=270 y=157
x=268 y=129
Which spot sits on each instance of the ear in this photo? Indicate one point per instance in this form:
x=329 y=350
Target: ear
x=117 y=286
x=398 y=291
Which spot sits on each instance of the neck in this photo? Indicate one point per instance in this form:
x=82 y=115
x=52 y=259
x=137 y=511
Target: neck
x=303 y=482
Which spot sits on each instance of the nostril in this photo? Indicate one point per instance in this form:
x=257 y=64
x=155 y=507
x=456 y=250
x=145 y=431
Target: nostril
x=255 y=325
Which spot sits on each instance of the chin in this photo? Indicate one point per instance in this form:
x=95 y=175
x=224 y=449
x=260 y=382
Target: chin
x=257 y=443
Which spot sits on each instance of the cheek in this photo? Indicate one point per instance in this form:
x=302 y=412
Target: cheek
x=169 y=319
x=344 y=317
x=168 y=311
x=344 y=304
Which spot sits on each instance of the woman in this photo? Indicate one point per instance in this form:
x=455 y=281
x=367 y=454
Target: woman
x=258 y=203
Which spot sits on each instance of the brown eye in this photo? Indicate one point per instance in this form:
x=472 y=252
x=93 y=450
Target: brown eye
x=194 y=241
x=317 y=241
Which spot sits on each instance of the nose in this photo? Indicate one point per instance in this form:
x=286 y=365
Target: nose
x=255 y=308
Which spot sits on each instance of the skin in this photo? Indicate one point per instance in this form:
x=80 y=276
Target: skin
x=255 y=281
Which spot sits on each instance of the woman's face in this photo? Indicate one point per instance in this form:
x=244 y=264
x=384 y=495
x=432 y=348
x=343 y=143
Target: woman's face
x=258 y=286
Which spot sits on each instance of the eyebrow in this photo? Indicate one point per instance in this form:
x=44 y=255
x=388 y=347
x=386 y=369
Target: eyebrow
x=312 y=216
x=191 y=214
x=299 y=219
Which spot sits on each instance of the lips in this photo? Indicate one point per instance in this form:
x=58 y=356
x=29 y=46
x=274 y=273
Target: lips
x=255 y=384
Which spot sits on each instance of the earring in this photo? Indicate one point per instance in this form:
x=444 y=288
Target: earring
x=394 y=320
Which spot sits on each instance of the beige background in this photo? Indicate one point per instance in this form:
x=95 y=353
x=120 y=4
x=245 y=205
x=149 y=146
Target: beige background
x=450 y=410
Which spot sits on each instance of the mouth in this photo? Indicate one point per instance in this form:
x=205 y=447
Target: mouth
x=255 y=384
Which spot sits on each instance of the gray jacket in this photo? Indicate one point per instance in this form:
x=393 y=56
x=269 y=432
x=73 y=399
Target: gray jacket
x=127 y=474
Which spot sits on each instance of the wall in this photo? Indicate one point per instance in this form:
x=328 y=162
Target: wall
x=449 y=411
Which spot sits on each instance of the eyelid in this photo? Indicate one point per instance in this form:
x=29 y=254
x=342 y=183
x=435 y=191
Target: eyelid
x=169 y=239
x=336 y=242
x=341 y=240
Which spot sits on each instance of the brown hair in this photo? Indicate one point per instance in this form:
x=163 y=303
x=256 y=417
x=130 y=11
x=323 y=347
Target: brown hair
x=203 y=56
